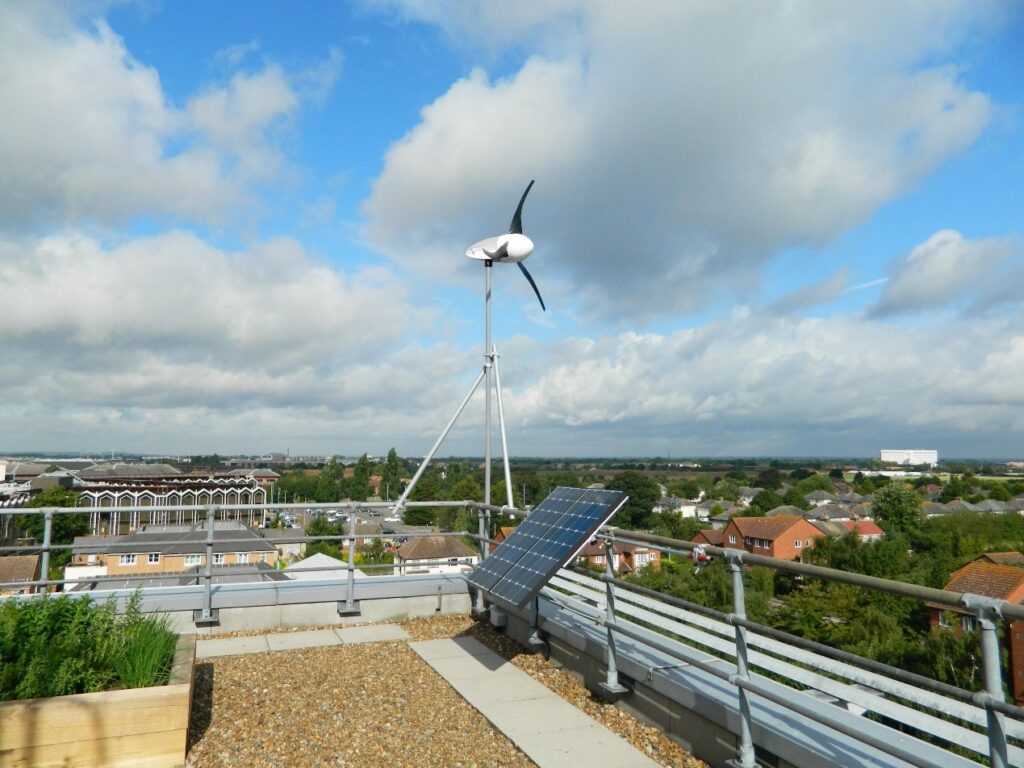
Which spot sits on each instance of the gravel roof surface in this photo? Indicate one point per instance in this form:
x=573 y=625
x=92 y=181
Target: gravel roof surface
x=374 y=704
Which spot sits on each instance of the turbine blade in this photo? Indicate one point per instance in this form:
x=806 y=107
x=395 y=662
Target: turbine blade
x=528 y=277
x=516 y=228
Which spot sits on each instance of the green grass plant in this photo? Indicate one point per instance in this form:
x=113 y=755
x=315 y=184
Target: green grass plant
x=56 y=646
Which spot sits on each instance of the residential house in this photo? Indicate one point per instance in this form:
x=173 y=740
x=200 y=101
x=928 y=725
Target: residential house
x=626 y=558
x=1003 y=558
x=780 y=536
x=503 y=533
x=1003 y=582
x=435 y=554
x=281 y=538
x=19 y=568
x=164 y=549
x=747 y=495
x=709 y=536
x=708 y=508
x=833 y=512
x=866 y=530
x=310 y=569
x=817 y=498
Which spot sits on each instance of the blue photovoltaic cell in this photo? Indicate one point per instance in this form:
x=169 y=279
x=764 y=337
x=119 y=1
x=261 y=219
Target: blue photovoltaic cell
x=555 y=531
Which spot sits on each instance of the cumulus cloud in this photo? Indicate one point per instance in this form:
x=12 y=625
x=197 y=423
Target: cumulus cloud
x=753 y=384
x=89 y=134
x=945 y=268
x=679 y=145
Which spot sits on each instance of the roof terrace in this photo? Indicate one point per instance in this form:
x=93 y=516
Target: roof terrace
x=724 y=688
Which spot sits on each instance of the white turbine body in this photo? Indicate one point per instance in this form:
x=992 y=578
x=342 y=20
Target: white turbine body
x=511 y=248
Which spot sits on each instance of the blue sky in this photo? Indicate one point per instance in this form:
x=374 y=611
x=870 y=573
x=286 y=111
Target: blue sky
x=239 y=227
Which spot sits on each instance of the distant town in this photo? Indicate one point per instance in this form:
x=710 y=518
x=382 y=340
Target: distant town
x=906 y=515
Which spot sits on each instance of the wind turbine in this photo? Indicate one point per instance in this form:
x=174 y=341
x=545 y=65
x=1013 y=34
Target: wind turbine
x=512 y=247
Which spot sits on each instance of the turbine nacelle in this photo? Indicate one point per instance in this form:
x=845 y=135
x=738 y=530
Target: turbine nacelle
x=511 y=248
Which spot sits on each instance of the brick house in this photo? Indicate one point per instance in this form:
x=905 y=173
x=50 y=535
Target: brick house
x=165 y=549
x=709 y=536
x=1003 y=582
x=780 y=536
x=18 y=568
x=435 y=554
x=626 y=558
x=866 y=530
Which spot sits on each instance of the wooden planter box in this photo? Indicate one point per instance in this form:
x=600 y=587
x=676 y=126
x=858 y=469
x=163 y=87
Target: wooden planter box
x=145 y=727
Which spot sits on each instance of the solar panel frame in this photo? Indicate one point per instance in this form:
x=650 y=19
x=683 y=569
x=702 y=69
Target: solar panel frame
x=557 y=529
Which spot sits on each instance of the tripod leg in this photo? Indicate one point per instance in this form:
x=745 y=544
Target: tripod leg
x=501 y=424
x=400 y=504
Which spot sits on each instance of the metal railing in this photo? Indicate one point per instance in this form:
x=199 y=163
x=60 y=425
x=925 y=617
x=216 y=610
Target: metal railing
x=992 y=727
x=206 y=574
x=981 y=722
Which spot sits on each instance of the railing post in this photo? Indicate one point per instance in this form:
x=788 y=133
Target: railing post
x=479 y=606
x=611 y=689
x=206 y=616
x=989 y=619
x=745 y=741
x=44 y=560
x=350 y=607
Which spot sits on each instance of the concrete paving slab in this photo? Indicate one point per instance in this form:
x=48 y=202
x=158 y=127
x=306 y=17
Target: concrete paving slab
x=452 y=648
x=550 y=730
x=291 y=641
x=372 y=633
x=231 y=646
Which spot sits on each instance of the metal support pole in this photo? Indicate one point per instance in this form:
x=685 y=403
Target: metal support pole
x=44 y=566
x=989 y=619
x=350 y=608
x=479 y=606
x=206 y=615
x=501 y=425
x=611 y=688
x=488 y=364
x=745 y=741
x=400 y=504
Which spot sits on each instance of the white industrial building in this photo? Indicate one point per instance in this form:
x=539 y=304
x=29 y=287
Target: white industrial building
x=910 y=456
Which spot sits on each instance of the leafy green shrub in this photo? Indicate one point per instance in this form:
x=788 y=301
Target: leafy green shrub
x=56 y=646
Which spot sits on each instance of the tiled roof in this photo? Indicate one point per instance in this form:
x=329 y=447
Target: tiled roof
x=711 y=536
x=830 y=528
x=765 y=527
x=1004 y=558
x=988 y=579
x=18 y=568
x=862 y=527
x=434 y=548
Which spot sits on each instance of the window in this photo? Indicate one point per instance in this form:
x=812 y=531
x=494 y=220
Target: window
x=944 y=619
x=263 y=557
x=154 y=558
x=732 y=539
x=797 y=543
x=218 y=559
x=193 y=560
x=126 y=560
x=969 y=623
x=242 y=558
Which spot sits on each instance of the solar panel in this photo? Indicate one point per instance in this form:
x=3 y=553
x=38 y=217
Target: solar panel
x=545 y=541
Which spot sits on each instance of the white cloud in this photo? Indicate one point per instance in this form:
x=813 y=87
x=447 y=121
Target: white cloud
x=680 y=144
x=752 y=384
x=943 y=269
x=88 y=133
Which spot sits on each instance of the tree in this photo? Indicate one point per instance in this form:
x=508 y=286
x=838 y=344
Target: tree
x=451 y=518
x=359 y=484
x=391 y=477
x=764 y=502
x=643 y=493
x=427 y=489
x=684 y=489
x=794 y=498
x=897 y=506
x=64 y=529
x=673 y=526
x=769 y=478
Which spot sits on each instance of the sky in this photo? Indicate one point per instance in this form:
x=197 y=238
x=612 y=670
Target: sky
x=771 y=229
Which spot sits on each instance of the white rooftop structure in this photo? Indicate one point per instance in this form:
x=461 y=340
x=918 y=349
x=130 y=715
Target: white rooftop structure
x=910 y=456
